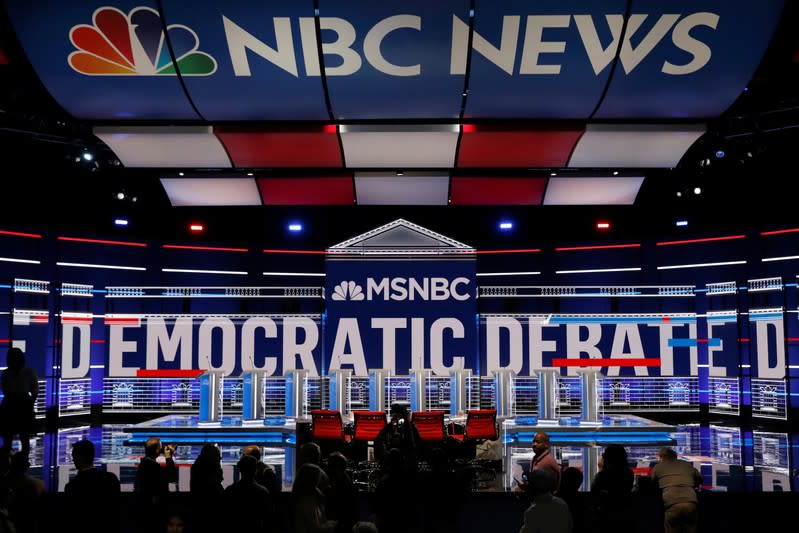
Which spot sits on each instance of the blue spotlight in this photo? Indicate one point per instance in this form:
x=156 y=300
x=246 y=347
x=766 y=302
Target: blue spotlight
x=720 y=153
x=506 y=225
x=295 y=227
x=121 y=221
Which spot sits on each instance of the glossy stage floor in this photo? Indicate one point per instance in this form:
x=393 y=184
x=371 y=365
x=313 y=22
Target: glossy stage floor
x=730 y=458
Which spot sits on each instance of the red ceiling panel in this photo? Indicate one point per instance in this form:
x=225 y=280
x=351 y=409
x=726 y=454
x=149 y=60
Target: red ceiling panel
x=493 y=146
x=337 y=190
x=496 y=191
x=317 y=146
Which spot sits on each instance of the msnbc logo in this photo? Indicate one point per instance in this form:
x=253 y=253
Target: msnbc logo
x=135 y=44
x=348 y=290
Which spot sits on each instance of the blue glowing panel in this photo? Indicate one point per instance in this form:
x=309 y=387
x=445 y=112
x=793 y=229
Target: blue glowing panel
x=391 y=60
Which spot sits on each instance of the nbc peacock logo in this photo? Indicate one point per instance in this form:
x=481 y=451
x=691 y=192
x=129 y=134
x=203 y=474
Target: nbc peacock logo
x=348 y=290
x=135 y=44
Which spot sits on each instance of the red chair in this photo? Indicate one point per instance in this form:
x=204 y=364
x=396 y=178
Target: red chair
x=481 y=424
x=326 y=424
x=367 y=425
x=430 y=425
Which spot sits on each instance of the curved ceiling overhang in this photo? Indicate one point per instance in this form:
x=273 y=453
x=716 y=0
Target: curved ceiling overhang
x=348 y=60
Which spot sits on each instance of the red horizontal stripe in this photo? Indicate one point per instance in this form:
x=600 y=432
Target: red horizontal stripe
x=709 y=239
x=102 y=241
x=519 y=251
x=779 y=231
x=746 y=339
x=790 y=339
x=645 y=361
x=5 y=340
x=207 y=248
x=601 y=247
x=20 y=234
x=168 y=373
x=97 y=341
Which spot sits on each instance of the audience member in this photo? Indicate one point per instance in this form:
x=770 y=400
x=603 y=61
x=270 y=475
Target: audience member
x=398 y=434
x=205 y=488
x=174 y=522
x=547 y=513
x=678 y=481
x=341 y=498
x=571 y=480
x=92 y=498
x=266 y=476
x=611 y=492
x=397 y=496
x=310 y=452
x=6 y=525
x=442 y=490
x=544 y=459
x=308 y=511
x=20 y=386
x=248 y=505
x=152 y=483
x=25 y=506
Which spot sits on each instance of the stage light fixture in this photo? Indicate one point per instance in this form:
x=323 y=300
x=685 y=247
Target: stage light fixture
x=121 y=221
x=506 y=225
x=681 y=223
x=697 y=190
x=720 y=153
x=87 y=156
x=603 y=225
x=196 y=227
x=295 y=227
x=120 y=195
x=679 y=194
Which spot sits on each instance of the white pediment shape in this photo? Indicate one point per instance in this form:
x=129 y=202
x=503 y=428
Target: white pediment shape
x=400 y=238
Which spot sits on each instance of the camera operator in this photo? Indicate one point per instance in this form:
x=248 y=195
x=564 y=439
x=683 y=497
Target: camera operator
x=399 y=433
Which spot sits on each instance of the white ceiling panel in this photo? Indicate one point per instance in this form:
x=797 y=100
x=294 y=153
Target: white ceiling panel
x=592 y=190
x=412 y=188
x=165 y=147
x=211 y=191
x=399 y=146
x=633 y=145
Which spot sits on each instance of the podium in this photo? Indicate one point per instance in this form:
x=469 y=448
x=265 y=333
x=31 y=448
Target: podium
x=418 y=398
x=338 y=397
x=547 y=394
x=503 y=392
x=211 y=397
x=377 y=388
x=252 y=408
x=589 y=396
x=296 y=405
x=458 y=391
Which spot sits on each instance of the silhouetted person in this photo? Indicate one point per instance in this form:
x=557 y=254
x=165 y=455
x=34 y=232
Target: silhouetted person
x=678 y=481
x=266 y=476
x=308 y=513
x=341 y=497
x=310 y=452
x=27 y=492
x=611 y=492
x=400 y=434
x=20 y=386
x=396 y=497
x=174 y=522
x=547 y=513
x=248 y=505
x=442 y=491
x=571 y=479
x=92 y=498
x=152 y=483
x=205 y=486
